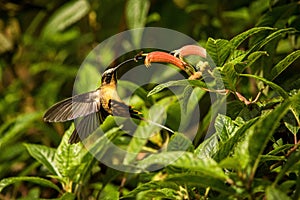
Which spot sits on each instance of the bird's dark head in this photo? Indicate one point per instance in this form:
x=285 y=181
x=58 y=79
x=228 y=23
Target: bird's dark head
x=109 y=76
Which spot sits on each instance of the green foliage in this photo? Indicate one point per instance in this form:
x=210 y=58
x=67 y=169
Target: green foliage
x=251 y=151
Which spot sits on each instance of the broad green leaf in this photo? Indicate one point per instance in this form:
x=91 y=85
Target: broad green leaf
x=208 y=148
x=225 y=128
x=201 y=180
x=179 y=142
x=184 y=160
x=283 y=64
x=291 y=161
x=68 y=158
x=64 y=17
x=291 y=123
x=45 y=155
x=219 y=50
x=274 y=86
x=269 y=38
x=67 y=196
x=258 y=135
x=229 y=76
x=237 y=40
x=99 y=147
x=136 y=17
x=136 y=13
x=162 y=86
x=110 y=192
x=273 y=193
x=153 y=186
x=180 y=83
x=40 y=181
x=227 y=147
x=18 y=126
x=161 y=193
x=277 y=14
x=157 y=114
x=251 y=59
x=189 y=107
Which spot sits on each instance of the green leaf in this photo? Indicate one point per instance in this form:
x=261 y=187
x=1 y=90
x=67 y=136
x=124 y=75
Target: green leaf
x=161 y=193
x=40 y=181
x=251 y=59
x=201 y=180
x=182 y=83
x=17 y=126
x=136 y=17
x=291 y=123
x=101 y=144
x=219 y=50
x=68 y=158
x=274 y=86
x=208 y=148
x=157 y=114
x=184 y=160
x=237 y=40
x=229 y=76
x=225 y=127
x=136 y=13
x=162 y=86
x=258 y=135
x=292 y=160
x=283 y=64
x=179 y=142
x=110 y=192
x=64 y=17
x=269 y=38
x=67 y=196
x=277 y=14
x=45 y=155
x=153 y=186
x=227 y=147
x=273 y=193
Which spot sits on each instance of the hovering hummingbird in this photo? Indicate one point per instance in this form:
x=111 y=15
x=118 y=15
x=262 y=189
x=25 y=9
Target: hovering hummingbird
x=93 y=107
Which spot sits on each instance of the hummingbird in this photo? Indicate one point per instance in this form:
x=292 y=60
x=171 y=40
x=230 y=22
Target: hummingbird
x=94 y=106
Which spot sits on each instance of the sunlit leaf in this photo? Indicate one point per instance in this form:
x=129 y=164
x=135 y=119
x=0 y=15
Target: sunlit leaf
x=157 y=114
x=67 y=15
x=153 y=186
x=274 y=86
x=179 y=142
x=283 y=64
x=225 y=128
x=68 y=158
x=292 y=160
x=37 y=180
x=136 y=13
x=273 y=193
x=227 y=147
x=45 y=155
x=229 y=76
x=250 y=60
x=12 y=130
x=258 y=135
x=237 y=40
x=269 y=38
x=184 y=160
x=218 y=50
x=202 y=181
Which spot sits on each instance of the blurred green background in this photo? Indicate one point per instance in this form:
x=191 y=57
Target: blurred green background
x=42 y=45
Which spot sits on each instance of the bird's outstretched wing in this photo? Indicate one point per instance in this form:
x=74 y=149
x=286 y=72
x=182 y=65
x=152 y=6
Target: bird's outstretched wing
x=77 y=106
x=86 y=125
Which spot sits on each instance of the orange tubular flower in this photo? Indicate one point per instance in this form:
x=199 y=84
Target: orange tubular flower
x=163 y=57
